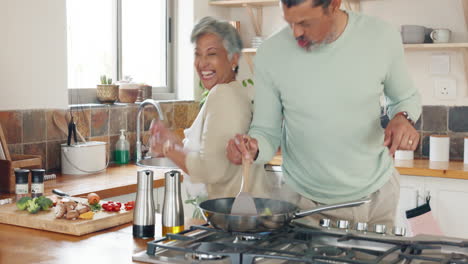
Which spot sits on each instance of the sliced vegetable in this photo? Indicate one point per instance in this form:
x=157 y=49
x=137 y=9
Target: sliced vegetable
x=88 y=215
x=129 y=205
x=111 y=206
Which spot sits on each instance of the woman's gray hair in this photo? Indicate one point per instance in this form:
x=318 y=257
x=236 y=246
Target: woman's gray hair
x=231 y=39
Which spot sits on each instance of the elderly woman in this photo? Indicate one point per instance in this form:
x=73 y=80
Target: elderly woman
x=226 y=112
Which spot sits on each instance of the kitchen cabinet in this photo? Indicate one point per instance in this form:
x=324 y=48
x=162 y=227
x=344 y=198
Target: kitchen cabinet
x=449 y=201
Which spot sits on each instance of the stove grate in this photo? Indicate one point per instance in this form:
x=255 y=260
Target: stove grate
x=302 y=245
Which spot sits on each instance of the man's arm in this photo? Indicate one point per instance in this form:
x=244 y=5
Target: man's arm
x=404 y=103
x=268 y=112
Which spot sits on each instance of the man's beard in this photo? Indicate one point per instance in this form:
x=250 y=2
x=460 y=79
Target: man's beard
x=313 y=45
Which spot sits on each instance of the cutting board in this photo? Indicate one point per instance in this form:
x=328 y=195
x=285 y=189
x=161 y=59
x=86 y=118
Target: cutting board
x=45 y=220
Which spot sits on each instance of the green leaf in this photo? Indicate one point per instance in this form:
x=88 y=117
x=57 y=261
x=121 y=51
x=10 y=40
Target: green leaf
x=244 y=83
x=250 y=81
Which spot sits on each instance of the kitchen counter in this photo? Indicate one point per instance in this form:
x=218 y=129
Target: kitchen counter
x=420 y=167
x=115 y=245
x=116 y=180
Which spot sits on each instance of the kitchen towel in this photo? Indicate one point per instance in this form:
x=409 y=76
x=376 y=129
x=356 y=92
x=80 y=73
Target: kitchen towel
x=439 y=148
x=422 y=221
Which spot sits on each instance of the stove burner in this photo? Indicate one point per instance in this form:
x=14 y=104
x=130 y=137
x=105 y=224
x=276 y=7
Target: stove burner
x=205 y=248
x=457 y=258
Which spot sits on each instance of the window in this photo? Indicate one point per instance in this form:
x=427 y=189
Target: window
x=119 y=38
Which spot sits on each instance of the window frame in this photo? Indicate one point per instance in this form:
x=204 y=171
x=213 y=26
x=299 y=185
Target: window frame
x=83 y=94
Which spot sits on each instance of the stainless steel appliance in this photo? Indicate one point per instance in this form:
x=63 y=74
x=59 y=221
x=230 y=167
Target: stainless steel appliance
x=297 y=243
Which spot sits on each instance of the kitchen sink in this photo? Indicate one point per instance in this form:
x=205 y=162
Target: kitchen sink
x=157 y=163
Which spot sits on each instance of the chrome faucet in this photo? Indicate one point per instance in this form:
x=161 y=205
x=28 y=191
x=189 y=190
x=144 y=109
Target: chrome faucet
x=146 y=102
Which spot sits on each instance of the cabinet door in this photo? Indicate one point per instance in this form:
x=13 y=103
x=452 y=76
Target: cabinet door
x=449 y=203
x=411 y=194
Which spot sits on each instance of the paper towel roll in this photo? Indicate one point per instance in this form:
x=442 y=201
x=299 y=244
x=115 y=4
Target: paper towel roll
x=439 y=148
x=465 y=151
x=404 y=155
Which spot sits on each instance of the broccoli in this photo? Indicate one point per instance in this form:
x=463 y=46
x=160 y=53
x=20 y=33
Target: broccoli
x=44 y=202
x=32 y=206
x=22 y=204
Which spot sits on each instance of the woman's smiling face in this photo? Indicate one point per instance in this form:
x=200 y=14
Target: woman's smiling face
x=212 y=62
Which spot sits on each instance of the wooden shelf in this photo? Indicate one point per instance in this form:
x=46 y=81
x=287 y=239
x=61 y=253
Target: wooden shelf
x=243 y=3
x=437 y=46
x=249 y=50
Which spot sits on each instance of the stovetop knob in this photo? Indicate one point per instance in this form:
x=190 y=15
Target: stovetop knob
x=342 y=224
x=325 y=223
x=361 y=226
x=380 y=229
x=399 y=231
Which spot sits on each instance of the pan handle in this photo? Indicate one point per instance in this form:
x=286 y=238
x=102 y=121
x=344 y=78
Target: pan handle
x=327 y=207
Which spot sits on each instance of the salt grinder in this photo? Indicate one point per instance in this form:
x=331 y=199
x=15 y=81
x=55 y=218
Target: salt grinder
x=173 y=210
x=144 y=212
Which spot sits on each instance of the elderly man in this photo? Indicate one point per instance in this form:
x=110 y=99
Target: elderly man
x=318 y=84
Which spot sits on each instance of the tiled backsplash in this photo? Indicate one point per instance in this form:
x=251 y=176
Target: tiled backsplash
x=34 y=131
x=441 y=120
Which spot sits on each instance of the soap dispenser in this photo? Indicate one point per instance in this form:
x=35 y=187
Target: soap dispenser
x=122 y=149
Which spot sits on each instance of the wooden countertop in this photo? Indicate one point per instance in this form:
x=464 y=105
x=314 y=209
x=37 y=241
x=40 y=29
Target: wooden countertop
x=114 y=245
x=116 y=180
x=111 y=246
x=420 y=167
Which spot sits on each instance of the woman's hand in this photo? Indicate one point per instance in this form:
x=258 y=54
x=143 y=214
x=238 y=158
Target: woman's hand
x=160 y=136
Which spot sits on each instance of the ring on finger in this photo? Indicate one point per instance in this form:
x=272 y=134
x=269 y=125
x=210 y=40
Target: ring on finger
x=410 y=142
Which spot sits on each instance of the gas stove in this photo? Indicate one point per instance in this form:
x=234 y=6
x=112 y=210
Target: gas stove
x=299 y=243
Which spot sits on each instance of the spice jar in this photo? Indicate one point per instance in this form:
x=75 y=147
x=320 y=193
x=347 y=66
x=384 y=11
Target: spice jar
x=22 y=183
x=37 y=184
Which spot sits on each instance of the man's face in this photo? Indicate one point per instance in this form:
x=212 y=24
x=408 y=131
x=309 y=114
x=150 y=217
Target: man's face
x=311 y=25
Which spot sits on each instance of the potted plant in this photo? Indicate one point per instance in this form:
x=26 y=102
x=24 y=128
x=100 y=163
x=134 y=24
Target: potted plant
x=107 y=93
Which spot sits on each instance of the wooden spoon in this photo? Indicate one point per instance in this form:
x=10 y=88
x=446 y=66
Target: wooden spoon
x=244 y=203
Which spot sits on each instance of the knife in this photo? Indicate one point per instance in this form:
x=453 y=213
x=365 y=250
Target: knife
x=66 y=195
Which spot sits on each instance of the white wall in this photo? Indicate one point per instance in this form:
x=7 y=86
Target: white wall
x=430 y=13
x=33 y=67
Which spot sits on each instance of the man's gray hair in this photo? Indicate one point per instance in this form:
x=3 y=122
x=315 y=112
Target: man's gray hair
x=323 y=3
x=231 y=39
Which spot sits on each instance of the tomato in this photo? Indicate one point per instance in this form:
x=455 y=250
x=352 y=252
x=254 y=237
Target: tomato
x=129 y=205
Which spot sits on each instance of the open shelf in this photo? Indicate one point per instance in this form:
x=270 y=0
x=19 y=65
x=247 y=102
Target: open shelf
x=241 y=3
x=425 y=46
x=437 y=46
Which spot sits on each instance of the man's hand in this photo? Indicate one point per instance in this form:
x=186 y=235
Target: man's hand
x=401 y=135
x=241 y=145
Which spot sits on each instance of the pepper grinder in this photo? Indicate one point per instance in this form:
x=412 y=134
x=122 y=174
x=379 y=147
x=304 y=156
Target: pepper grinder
x=173 y=210
x=144 y=212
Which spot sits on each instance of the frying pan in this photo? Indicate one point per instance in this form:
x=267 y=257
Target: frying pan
x=217 y=212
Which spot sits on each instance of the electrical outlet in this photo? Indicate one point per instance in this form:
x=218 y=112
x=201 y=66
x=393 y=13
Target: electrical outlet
x=445 y=89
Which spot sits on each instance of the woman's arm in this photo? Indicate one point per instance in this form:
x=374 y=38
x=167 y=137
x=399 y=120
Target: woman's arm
x=228 y=111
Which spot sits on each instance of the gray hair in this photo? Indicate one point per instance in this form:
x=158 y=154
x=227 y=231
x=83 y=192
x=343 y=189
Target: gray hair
x=323 y=3
x=231 y=39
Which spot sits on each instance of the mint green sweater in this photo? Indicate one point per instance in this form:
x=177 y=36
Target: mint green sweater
x=323 y=108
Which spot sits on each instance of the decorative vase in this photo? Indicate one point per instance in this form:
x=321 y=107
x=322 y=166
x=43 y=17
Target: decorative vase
x=107 y=93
